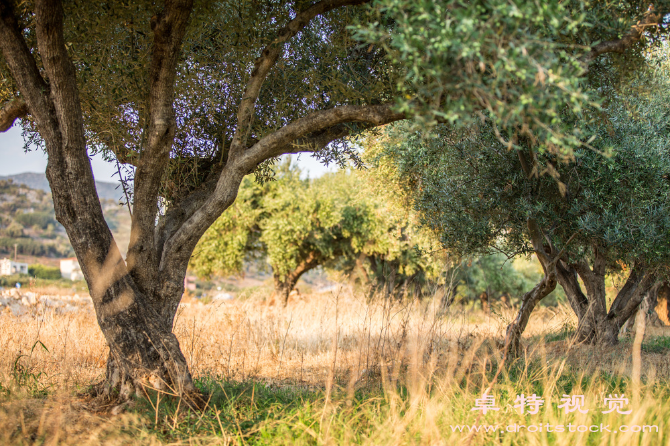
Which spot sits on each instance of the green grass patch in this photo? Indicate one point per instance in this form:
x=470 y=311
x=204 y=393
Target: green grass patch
x=256 y=413
x=28 y=281
x=657 y=345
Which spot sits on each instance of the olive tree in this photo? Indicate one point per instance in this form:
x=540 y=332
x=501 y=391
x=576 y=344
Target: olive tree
x=190 y=97
x=597 y=215
x=297 y=225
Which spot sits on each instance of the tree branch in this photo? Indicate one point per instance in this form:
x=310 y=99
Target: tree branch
x=567 y=277
x=624 y=295
x=317 y=140
x=34 y=90
x=536 y=238
x=323 y=126
x=12 y=111
x=169 y=28
x=286 y=139
x=625 y=310
x=651 y=19
x=267 y=60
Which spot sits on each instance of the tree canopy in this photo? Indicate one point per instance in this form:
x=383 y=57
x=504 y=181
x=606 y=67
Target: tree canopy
x=609 y=211
x=334 y=221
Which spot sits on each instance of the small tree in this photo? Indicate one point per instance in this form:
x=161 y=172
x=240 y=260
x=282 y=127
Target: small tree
x=298 y=225
x=489 y=277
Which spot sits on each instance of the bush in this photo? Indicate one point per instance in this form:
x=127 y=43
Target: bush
x=44 y=272
x=11 y=281
x=40 y=219
x=26 y=281
x=31 y=247
x=14 y=230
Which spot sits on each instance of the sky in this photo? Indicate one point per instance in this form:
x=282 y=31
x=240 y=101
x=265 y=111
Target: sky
x=14 y=160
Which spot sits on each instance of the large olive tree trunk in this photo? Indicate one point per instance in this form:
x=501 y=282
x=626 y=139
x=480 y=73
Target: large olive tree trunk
x=143 y=350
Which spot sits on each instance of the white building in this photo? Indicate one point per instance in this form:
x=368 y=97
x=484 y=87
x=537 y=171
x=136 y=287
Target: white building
x=70 y=269
x=7 y=267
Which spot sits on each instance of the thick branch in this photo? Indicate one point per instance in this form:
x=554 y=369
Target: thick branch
x=62 y=77
x=567 y=277
x=594 y=278
x=267 y=60
x=537 y=239
x=627 y=293
x=11 y=112
x=320 y=121
x=318 y=129
x=636 y=297
x=651 y=19
x=169 y=28
x=317 y=140
x=25 y=73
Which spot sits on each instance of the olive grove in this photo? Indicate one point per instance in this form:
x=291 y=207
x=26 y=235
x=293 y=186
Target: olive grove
x=188 y=97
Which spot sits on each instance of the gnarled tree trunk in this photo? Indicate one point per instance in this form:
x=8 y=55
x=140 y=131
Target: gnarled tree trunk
x=548 y=257
x=136 y=300
x=284 y=284
x=596 y=324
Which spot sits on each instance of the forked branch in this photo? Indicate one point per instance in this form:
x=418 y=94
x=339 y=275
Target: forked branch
x=651 y=19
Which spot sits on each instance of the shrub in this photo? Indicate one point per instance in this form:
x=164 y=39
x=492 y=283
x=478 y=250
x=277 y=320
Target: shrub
x=44 y=272
x=40 y=219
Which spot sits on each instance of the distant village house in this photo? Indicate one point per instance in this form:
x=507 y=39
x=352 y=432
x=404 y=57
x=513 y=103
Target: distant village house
x=7 y=267
x=70 y=269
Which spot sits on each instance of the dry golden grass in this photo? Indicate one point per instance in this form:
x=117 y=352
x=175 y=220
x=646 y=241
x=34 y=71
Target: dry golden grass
x=333 y=343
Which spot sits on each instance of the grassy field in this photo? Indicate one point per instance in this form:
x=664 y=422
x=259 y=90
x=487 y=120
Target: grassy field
x=332 y=368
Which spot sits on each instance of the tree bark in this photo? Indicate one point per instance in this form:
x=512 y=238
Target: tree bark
x=548 y=258
x=528 y=303
x=284 y=284
x=484 y=299
x=597 y=325
x=136 y=300
x=649 y=308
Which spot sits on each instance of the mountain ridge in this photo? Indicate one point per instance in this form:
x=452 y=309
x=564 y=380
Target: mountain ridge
x=38 y=180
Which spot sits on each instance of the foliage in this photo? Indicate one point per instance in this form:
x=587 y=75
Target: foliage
x=110 y=44
x=472 y=189
x=26 y=280
x=657 y=345
x=40 y=219
x=519 y=63
x=44 y=272
x=493 y=274
x=32 y=247
x=334 y=219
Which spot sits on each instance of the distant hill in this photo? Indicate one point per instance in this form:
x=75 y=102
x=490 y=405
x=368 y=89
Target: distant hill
x=27 y=219
x=35 y=180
